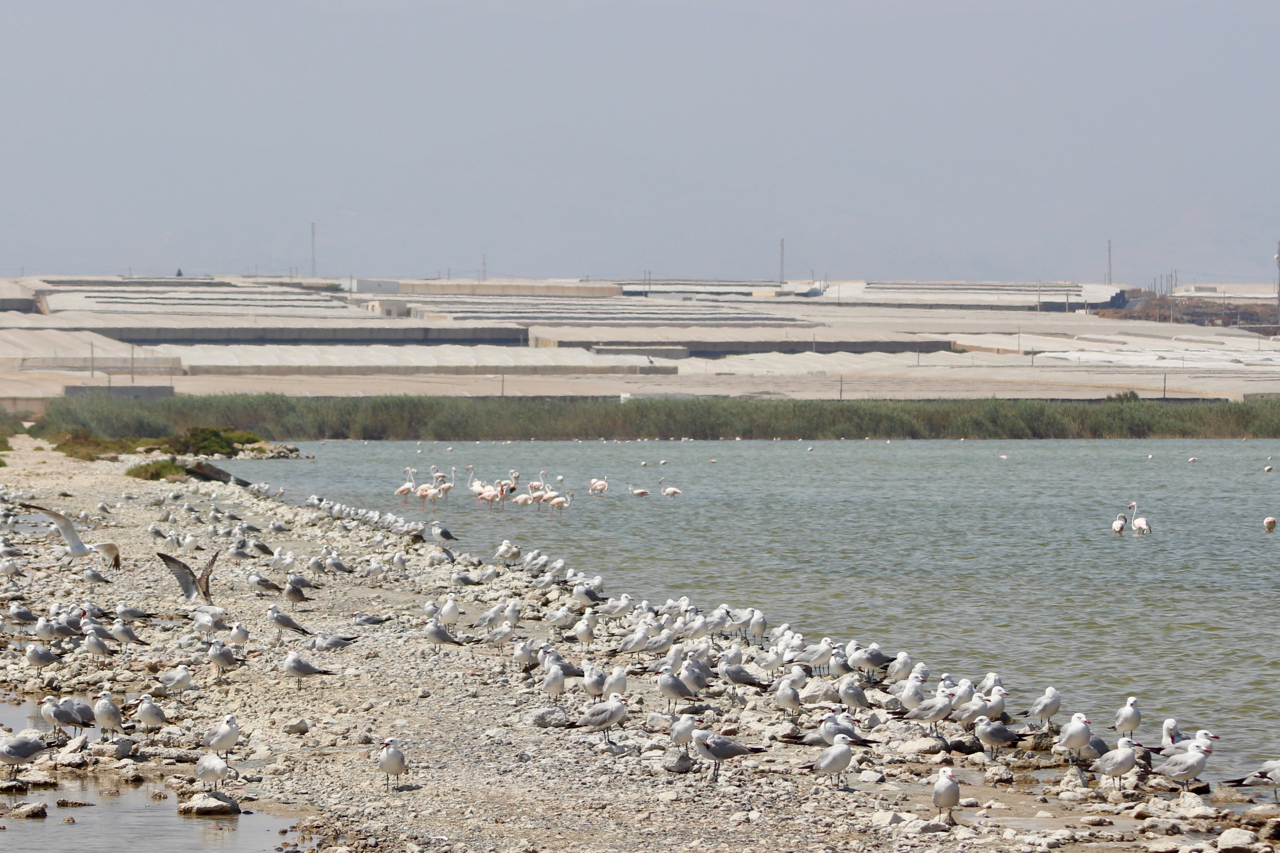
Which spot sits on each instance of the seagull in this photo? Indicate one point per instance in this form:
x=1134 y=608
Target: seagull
x=107 y=715
x=1187 y=766
x=284 y=620
x=333 y=643
x=224 y=736
x=124 y=634
x=1203 y=736
x=131 y=614
x=75 y=547
x=1045 y=707
x=56 y=715
x=994 y=734
x=438 y=635
x=175 y=680
x=149 y=713
x=1128 y=717
x=221 y=657
x=297 y=667
x=682 y=731
x=294 y=594
x=1266 y=776
x=718 y=748
x=603 y=716
x=946 y=793
x=835 y=759
x=1075 y=734
x=673 y=689
x=16 y=751
x=441 y=534
x=1118 y=761
x=39 y=657
x=264 y=584
x=211 y=768
x=391 y=760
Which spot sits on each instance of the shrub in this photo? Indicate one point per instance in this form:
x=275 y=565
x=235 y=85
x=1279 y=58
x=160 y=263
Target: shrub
x=201 y=441
x=161 y=469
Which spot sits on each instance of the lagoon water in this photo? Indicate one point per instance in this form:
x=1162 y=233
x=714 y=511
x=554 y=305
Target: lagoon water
x=125 y=815
x=970 y=561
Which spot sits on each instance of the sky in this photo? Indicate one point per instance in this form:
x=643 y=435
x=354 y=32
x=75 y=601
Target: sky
x=922 y=140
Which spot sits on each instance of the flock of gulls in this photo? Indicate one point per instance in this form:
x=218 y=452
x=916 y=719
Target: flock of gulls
x=684 y=653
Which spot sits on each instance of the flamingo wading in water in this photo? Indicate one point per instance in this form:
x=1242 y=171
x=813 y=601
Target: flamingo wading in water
x=1141 y=527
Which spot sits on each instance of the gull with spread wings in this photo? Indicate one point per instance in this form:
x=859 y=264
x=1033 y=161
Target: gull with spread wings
x=75 y=547
x=195 y=587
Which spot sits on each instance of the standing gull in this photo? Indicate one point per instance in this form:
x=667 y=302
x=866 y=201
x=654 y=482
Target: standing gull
x=603 y=716
x=391 y=760
x=835 y=759
x=1117 y=762
x=946 y=793
x=295 y=666
x=1045 y=707
x=1187 y=766
x=1128 y=717
x=284 y=620
x=718 y=748
x=1075 y=734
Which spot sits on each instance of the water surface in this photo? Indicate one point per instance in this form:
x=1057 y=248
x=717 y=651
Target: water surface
x=970 y=561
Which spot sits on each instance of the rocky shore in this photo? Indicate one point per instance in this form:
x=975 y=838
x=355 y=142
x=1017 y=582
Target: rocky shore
x=492 y=764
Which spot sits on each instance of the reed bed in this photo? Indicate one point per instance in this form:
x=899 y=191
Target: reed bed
x=281 y=418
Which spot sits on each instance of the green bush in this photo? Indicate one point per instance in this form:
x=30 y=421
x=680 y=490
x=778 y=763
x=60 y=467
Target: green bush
x=201 y=441
x=161 y=469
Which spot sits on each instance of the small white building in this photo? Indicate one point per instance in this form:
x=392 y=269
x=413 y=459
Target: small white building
x=388 y=307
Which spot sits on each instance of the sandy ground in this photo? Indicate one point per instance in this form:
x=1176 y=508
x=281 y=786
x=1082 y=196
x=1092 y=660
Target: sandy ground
x=484 y=773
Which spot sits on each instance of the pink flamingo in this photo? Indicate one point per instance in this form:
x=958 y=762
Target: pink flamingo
x=409 y=486
x=598 y=487
x=639 y=493
x=446 y=487
x=1117 y=526
x=562 y=501
x=1269 y=522
x=669 y=491
x=522 y=500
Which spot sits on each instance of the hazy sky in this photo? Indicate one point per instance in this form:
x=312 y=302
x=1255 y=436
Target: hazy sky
x=882 y=140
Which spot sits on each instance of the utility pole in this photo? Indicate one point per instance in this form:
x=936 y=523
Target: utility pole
x=1278 y=282
x=782 y=261
x=484 y=267
x=313 y=250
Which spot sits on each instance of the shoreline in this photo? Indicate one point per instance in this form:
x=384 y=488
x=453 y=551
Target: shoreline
x=488 y=778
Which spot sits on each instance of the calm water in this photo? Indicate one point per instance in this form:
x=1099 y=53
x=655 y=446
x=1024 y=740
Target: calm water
x=152 y=826
x=969 y=561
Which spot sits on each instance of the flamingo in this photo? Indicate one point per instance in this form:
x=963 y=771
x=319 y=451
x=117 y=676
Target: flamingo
x=1118 y=525
x=539 y=484
x=562 y=501
x=522 y=500
x=438 y=474
x=1141 y=527
x=639 y=493
x=409 y=486
x=598 y=487
x=445 y=487
x=1269 y=522
x=669 y=491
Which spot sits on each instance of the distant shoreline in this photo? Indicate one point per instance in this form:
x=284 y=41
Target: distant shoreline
x=406 y=418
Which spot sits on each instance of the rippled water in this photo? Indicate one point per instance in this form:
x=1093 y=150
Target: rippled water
x=129 y=813
x=970 y=561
